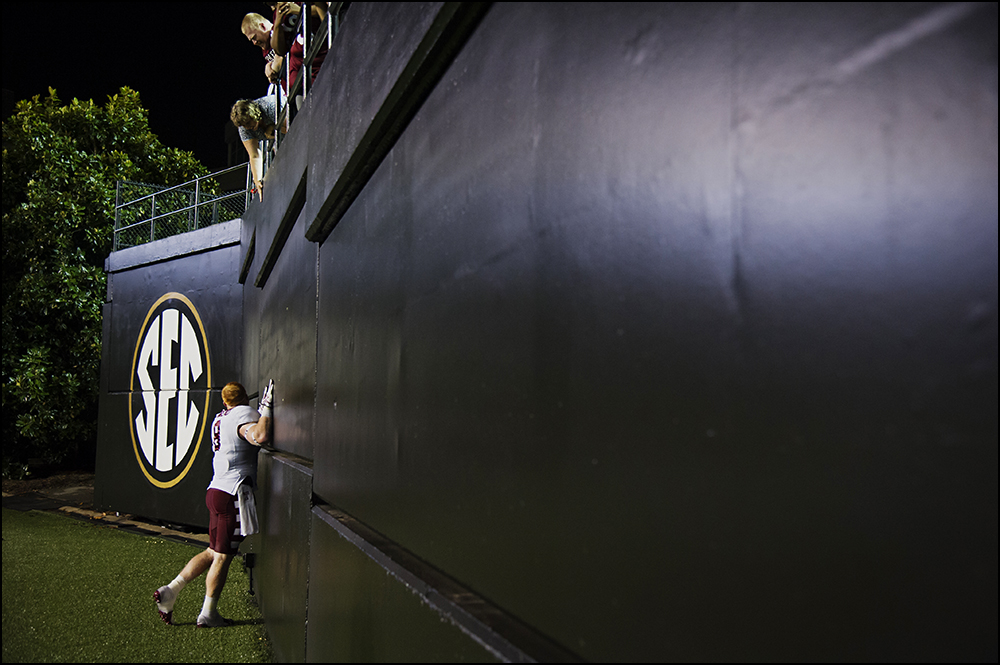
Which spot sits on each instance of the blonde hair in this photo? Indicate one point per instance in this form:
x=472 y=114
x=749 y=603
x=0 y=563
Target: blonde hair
x=246 y=112
x=252 y=20
x=234 y=394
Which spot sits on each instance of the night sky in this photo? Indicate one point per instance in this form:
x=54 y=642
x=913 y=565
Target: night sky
x=188 y=61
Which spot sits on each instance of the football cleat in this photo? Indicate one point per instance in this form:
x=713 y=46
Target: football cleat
x=165 y=598
x=213 y=621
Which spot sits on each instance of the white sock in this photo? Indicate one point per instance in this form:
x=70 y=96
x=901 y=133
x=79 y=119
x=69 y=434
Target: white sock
x=177 y=584
x=208 y=608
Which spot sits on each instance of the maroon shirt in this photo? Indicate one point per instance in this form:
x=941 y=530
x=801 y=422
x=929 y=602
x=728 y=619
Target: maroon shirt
x=296 y=54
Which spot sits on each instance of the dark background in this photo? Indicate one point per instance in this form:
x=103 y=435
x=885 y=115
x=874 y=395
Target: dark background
x=669 y=330
x=188 y=61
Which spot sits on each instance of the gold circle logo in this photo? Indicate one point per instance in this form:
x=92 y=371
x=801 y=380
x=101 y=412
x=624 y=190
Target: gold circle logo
x=172 y=367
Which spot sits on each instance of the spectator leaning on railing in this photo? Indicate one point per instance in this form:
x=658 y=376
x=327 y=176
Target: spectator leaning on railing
x=255 y=120
x=257 y=30
x=286 y=38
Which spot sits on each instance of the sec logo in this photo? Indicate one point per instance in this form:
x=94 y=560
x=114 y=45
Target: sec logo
x=169 y=407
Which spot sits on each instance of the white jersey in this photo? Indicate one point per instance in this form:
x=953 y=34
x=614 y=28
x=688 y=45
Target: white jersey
x=235 y=460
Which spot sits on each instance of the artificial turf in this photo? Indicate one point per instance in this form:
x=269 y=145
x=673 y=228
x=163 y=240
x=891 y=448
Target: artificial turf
x=77 y=592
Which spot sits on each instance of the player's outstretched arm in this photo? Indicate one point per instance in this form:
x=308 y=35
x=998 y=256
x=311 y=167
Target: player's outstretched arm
x=259 y=433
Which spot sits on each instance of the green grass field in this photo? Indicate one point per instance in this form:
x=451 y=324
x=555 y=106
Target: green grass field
x=79 y=592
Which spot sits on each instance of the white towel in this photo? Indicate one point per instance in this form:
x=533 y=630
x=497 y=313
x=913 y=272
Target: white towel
x=248 y=510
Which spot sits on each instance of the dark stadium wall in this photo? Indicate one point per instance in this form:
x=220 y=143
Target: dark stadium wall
x=632 y=332
x=194 y=275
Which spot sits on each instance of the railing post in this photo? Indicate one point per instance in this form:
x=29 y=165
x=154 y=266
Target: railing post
x=277 y=100
x=306 y=72
x=197 y=182
x=152 y=216
x=118 y=212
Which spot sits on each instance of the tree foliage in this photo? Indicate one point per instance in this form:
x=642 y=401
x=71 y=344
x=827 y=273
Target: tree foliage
x=60 y=166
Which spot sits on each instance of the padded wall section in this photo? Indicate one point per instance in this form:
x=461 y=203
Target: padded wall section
x=374 y=47
x=281 y=293
x=359 y=613
x=206 y=276
x=120 y=485
x=282 y=573
x=251 y=301
x=172 y=339
x=665 y=322
x=288 y=343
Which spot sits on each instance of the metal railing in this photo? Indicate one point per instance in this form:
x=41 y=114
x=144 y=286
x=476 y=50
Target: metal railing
x=312 y=44
x=153 y=212
x=284 y=111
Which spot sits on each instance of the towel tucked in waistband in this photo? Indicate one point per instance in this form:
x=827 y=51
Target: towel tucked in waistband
x=247 y=507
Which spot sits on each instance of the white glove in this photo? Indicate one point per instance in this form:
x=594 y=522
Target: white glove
x=266 y=399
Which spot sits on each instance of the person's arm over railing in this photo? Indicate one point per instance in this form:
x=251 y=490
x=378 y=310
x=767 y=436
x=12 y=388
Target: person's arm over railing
x=272 y=70
x=286 y=26
x=256 y=166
